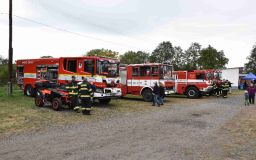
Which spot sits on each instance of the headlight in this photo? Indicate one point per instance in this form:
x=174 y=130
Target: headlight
x=98 y=90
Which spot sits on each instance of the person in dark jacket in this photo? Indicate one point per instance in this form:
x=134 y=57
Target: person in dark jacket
x=225 y=87
x=251 y=91
x=161 y=93
x=156 y=94
x=72 y=89
x=86 y=96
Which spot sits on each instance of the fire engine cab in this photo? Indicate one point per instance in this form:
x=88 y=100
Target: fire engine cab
x=194 y=83
x=139 y=79
x=101 y=72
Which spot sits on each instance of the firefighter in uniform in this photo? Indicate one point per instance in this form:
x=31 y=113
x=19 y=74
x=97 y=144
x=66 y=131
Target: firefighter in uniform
x=218 y=88
x=86 y=96
x=72 y=89
x=215 y=87
x=225 y=88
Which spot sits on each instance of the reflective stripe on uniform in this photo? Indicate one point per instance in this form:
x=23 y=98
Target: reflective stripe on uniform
x=76 y=108
x=88 y=109
x=73 y=93
x=73 y=87
x=84 y=89
x=85 y=96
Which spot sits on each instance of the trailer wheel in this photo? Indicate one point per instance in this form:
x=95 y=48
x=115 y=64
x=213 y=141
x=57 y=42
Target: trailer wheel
x=192 y=92
x=39 y=101
x=104 y=101
x=56 y=104
x=147 y=95
x=29 y=91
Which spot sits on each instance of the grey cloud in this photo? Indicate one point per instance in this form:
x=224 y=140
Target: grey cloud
x=127 y=18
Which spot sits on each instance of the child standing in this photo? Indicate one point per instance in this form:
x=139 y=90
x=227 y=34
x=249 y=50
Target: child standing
x=246 y=98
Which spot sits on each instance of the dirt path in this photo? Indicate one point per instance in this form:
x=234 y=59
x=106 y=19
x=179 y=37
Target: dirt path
x=185 y=130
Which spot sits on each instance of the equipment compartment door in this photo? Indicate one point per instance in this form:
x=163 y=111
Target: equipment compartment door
x=20 y=74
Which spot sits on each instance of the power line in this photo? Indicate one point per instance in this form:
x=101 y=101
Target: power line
x=68 y=31
x=144 y=38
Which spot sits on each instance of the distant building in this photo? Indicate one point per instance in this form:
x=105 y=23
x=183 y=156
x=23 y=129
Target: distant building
x=234 y=75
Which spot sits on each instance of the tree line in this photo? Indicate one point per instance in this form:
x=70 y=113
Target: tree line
x=195 y=57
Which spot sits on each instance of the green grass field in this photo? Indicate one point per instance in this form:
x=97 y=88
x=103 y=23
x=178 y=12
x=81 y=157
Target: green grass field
x=18 y=113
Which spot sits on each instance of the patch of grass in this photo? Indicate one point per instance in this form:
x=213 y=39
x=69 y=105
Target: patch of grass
x=18 y=113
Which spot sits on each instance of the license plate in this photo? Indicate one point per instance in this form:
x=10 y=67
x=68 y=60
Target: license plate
x=110 y=94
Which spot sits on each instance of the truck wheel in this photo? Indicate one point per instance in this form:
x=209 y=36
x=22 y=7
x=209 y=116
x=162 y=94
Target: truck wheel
x=39 y=101
x=29 y=91
x=56 y=104
x=192 y=92
x=104 y=101
x=147 y=95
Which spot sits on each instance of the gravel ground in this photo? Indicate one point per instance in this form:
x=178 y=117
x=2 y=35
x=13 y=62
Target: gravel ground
x=186 y=130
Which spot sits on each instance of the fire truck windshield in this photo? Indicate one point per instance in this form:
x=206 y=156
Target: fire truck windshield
x=210 y=76
x=213 y=75
x=217 y=75
x=107 y=68
x=166 y=71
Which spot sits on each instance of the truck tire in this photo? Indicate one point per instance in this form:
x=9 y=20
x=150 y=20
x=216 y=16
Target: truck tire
x=104 y=101
x=39 y=101
x=29 y=91
x=192 y=92
x=56 y=104
x=147 y=95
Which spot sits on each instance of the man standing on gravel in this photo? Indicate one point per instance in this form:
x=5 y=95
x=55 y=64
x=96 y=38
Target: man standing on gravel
x=225 y=87
x=161 y=93
x=72 y=89
x=86 y=96
x=156 y=92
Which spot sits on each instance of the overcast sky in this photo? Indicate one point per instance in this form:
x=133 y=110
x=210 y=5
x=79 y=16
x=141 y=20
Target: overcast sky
x=123 y=25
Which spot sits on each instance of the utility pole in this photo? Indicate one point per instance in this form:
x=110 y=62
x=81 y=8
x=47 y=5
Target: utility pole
x=10 y=51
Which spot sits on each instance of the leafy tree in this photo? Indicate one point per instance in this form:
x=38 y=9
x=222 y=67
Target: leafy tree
x=178 y=59
x=46 y=57
x=191 y=56
x=163 y=53
x=3 y=60
x=210 y=58
x=132 y=57
x=4 y=74
x=250 y=66
x=103 y=53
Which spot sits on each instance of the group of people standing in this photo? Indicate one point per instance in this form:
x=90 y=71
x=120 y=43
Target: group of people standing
x=221 y=88
x=250 y=94
x=158 y=94
x=81 y=95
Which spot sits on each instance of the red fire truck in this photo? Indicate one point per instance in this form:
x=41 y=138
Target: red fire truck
x=139 y=79
x=194 y=83
x=102 y=72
